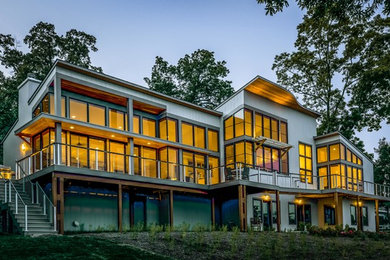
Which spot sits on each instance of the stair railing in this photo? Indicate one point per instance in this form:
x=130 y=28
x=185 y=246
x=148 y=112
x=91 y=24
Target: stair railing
x=38 y=196
x=11 y=195
x=49 y=209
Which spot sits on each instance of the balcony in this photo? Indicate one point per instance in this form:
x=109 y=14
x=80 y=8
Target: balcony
x=116 y=163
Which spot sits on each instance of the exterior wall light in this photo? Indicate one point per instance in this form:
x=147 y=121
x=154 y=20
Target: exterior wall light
x=298 y=201
x=266 y=198
x=23 y=147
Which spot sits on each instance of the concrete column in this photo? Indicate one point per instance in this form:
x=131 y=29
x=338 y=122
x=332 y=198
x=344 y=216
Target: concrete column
x=58 y=140
x=130 y=114
x=242 y=207
x=171 y=208
x=359 y=215
x=277 y=211
x=213 y=211
x=57 y=96
x=336 y=209
x=54 y=198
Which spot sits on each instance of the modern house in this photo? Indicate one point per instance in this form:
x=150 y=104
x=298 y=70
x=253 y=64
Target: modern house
x=94 y=152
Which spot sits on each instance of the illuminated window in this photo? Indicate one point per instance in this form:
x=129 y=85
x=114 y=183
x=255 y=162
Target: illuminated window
x=248 y=122
x=239 y=123
x=168 y=129
x=117 y=157
x=334 y=152
x=194 y=167
x=275 y=160
x=349 y=178
x=343 y=177
x=283 y=132
x=322 y=154
x=214 y=169
x=285 y=163
x=229 y=156
x=116 y=119
x=258 y=125
x=200 y=139
x=360 y=179
x=136 y=124
x=355 y=180
x=335 y=174
x=169 y=164
x=187 y=134
x=96 y=154
x=229 y=128
x=78 y=110
x=148 y=127
x=267 y=126
x=323 y=177
x=267 y=158
x=275 y=129
x=212 y=137
x=200 y=173
x=260 y=157
x=354 y=159
x=63 y=105
x=305 y=163
x=97 y=115
x=46 y=104
x=37 y=111
x=78 y=151
x=349 y=155
x=188 y=162
x=148 y=162
x=244 y=153
x=359 y=161
x=342 y=152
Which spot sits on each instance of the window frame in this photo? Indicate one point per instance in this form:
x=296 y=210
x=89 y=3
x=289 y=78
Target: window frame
x=310 y=181
x=290 y=221
x=167 y=129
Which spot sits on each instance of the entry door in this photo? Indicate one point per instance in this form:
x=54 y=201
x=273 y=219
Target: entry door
x=303 y=214
x=267 y=214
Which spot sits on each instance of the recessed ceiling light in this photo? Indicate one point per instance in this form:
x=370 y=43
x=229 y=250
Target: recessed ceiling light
x=112 y=135
x=73 y=116
x=148 y=142
x=72 y=127
x=119 y=127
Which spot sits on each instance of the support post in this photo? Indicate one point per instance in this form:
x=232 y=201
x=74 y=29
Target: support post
x=242 y=206
x=60 y=193
x=58 y=140
x=336 y=210
x=171 y=208
x=277 y=211
x=376 y=215
x=120 y=207
x=213 y=211
x=55 y=200
x=359 y=216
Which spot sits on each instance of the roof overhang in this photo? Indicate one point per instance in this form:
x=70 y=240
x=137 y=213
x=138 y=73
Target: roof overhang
x=278 y=94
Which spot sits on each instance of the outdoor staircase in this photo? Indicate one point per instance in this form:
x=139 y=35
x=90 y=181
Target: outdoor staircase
x=37 y=222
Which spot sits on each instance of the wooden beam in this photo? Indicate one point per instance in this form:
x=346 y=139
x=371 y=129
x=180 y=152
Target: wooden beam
x=277 y=211
x=120 y=208
x=376 y=215
x=129 y=183
x=171 y=208
x=242 y=207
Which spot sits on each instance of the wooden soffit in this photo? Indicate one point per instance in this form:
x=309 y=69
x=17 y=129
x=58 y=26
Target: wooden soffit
x=277 y=94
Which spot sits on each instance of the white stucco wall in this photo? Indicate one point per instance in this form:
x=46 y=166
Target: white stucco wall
x=370 y=211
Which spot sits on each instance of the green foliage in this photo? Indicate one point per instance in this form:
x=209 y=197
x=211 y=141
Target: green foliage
x=44 y=47
x=197 y=78
x=382 y=164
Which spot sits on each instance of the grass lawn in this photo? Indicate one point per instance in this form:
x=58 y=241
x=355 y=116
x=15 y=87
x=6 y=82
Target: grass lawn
x=192 y=245
x=68 y=247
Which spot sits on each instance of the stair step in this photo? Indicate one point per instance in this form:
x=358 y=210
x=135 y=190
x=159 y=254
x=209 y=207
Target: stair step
x=36 y=226
x=32 y=217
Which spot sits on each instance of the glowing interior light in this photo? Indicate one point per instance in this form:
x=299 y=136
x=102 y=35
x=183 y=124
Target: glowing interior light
x=72 y=127
x=73 y=117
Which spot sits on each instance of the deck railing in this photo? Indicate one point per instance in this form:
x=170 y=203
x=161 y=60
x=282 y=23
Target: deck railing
x=194 y=172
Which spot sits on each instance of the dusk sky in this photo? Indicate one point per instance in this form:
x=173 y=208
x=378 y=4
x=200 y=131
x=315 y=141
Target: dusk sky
x=130 y=34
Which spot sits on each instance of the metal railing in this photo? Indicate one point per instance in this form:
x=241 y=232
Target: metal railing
x=38 y=195
x=12 y=196
x=193 y=172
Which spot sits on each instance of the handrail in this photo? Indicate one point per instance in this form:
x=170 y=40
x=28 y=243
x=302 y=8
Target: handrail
x=17 y=196
x=45 y=197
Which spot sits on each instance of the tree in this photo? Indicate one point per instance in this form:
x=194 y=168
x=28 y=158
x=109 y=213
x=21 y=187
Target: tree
x=382 y=164
x=45 y=46
x=341 y=63
x=197 y=78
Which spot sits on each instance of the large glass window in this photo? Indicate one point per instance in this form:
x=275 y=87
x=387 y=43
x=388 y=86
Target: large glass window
x=258 y=125
x=323 y=175
x=239 y=123
x=322 y=154
x=117 y=157
x=267 y=126
x=283 y=132
x=292 y=214
x=248 y=122
x=275 y=129
x=148 y=127
x=194 y=167
x=117 y=119
x=329 y=214
x=353 y=215
x=275 y=160
x=136 y=124
x=97 y=114
x=200 y=138
x=47 y=106
x=168 y=129
x=78 y=110
x=334 y=152
x=285 y=163
x=187 y=134
x=214 y=169
x=149 y=163
x=335 y=174
x=169 y=163
x=342 y=152
x=96 y=154
x=229 y=131
x=305 y=163
x=212 y=138
x=229 y=156
x=78 y=151
x=349 y=178
x=349 y=155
